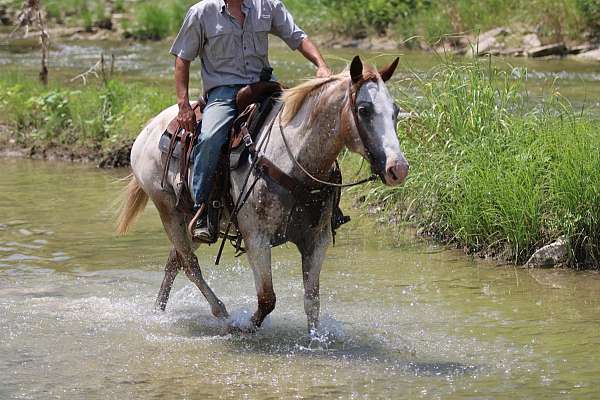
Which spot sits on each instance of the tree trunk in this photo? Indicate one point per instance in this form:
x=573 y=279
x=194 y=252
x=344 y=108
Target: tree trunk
x=31 y=14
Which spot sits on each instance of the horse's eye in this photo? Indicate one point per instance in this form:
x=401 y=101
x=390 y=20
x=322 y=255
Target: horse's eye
x=364 y=111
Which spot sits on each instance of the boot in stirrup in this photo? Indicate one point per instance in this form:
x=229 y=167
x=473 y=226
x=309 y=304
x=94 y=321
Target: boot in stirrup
x=199 y=228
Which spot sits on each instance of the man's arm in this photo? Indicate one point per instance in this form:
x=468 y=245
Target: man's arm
x=186 y=116
x=187 y=46
x=310 y=51
x=283 y=26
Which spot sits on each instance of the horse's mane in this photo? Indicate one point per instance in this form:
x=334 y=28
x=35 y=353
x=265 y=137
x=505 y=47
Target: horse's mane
x=294 y=98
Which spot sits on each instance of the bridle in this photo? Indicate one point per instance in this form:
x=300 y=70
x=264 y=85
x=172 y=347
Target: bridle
x=361 y=133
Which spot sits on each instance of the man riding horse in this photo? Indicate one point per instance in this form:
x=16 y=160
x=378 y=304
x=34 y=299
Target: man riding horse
x=231 y=39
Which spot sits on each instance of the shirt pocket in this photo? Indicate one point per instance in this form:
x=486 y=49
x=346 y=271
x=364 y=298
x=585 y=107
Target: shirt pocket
x=220 y=42
x=262 y=27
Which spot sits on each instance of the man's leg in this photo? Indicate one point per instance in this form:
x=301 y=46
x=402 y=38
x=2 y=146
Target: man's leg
x=217 y=119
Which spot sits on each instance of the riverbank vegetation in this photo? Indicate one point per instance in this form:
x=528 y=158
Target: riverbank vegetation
x=91 y=118
x=431 y=20
x=425 y=21
x=492 y=169
x=493 y=174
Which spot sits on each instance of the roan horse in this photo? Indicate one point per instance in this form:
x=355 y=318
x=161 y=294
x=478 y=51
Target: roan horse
x=318 y=120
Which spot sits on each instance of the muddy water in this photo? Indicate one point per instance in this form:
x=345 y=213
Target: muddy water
x=402 y=319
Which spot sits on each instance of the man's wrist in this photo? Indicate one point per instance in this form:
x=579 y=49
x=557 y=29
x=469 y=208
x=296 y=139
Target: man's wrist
x=183 y=102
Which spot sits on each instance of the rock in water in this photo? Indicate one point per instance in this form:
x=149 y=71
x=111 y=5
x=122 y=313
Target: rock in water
x=556 y=49
x=593 y=55
x=531 y=40
x=487 y=42
x=553 y=254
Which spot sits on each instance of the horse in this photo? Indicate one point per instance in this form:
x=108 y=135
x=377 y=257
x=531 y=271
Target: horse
x=317 y=121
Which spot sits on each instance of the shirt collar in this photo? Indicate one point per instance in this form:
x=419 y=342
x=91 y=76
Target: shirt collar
x=246 y=4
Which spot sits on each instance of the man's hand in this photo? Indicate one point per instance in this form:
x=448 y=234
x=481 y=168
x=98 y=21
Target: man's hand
x=186 y=117
x=310 y=51
x=323 y=72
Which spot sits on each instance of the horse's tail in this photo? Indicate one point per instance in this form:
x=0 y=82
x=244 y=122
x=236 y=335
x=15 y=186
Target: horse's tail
x=133 y=203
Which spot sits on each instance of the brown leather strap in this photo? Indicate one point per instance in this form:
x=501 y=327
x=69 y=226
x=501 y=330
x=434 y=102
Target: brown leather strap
x=364 y=137
x=267 y=168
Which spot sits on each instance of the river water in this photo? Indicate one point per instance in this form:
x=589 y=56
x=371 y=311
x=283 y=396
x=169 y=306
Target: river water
x=402 y=318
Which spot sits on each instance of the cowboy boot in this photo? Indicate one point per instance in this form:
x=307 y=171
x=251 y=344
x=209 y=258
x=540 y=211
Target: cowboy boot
x=198 y=228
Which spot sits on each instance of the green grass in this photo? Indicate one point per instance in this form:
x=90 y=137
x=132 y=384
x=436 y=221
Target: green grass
x=430 y=20
x=492 y=174
x=94 y=117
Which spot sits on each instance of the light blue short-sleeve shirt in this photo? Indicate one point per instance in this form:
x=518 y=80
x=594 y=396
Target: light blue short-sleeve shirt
x=232 y=54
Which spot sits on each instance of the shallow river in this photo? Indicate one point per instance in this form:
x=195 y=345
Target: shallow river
x=402 y=318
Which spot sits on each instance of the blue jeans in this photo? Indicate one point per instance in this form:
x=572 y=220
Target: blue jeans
x=219 y=114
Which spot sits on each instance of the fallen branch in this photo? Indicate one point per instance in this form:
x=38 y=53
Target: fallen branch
x=92 y=71
x=98 y=70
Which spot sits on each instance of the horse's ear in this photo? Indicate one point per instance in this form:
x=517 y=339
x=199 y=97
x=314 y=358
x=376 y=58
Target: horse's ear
x=356 y=69
x=387 y=72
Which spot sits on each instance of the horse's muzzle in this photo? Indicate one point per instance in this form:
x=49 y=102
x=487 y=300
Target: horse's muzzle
x=396 y=172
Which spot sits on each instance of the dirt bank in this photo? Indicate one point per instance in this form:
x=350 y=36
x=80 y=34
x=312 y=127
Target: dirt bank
x=115 y=157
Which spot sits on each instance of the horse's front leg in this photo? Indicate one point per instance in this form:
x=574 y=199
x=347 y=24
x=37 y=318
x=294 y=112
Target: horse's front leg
x=259 y=256
x=313 y=250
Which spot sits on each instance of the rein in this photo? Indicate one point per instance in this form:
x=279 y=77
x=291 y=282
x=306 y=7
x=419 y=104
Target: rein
x=361 y=134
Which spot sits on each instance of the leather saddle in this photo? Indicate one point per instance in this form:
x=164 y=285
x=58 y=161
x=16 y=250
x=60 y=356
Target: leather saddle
x=254 y=102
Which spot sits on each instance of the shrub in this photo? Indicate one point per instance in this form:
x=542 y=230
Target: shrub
x=54 y=114
x=153 y=22
x=590 y=10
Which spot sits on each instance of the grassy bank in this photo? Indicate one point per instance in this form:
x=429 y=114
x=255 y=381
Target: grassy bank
x=492 y=174
x=94 y=117
x=488 y=171
x=554 y=20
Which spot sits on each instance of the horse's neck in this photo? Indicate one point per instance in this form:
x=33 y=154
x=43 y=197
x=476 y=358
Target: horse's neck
x=315 y=144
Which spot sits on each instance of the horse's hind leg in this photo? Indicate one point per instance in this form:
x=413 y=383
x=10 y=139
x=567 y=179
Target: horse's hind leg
x=171 y=270
x=175 y=225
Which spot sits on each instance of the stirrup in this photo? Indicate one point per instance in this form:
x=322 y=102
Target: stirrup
x=192 y=224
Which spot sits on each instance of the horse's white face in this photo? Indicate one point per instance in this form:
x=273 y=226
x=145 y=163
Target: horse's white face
x=377 y=115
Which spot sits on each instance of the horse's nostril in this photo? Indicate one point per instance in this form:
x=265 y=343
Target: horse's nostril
x=396 y=172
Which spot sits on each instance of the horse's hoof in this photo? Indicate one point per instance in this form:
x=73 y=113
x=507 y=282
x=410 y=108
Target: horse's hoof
x=220 y=313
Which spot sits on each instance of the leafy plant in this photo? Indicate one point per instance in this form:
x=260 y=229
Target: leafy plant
x=153 y=22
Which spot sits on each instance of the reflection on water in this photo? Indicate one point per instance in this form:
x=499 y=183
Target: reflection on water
x=402 y=319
